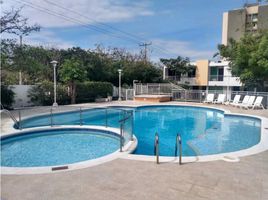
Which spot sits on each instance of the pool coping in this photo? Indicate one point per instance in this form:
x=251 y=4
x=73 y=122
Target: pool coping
x=128 y=148
x=229 y=157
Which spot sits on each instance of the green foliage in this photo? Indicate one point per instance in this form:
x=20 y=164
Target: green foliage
x=95 y=65
x=89 y=91
x=144 y=72
x=179 y=65
x=7 y=97
x=72 y=71
x=42 y=94
x=248 y=59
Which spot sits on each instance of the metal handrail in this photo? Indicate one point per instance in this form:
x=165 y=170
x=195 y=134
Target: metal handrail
x=11 y=116
x=156 y=147
x=121 y=137
x=178 y=145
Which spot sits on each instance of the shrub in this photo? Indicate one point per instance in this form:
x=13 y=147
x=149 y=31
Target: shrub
x=7 y=97
x=43 y=94
x=89 y=91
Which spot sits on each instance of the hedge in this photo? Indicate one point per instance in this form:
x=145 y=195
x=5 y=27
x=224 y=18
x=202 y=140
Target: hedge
x=7 y=97
x=89 y=91
x=43 y=94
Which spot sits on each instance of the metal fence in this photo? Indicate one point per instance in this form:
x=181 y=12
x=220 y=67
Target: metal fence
x=252 y=93
x=129 y=94
x=189 y=95
x=200 y=95
x=73 y=115
x=153 y=88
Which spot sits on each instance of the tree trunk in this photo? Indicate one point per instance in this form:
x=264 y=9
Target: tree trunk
x=73 y=92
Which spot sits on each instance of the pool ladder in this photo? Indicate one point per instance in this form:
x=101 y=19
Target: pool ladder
x=156 y=147
x=178 y=146
x=17 y=123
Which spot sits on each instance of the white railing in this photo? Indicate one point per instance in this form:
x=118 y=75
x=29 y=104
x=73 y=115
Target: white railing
x=200 y=95
x=153 y=88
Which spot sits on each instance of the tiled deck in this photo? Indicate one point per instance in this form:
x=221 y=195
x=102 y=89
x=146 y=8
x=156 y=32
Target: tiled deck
x=128 y=179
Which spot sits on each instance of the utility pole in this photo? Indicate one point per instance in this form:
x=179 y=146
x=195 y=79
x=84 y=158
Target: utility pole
x=145 y=45
x=20 y=73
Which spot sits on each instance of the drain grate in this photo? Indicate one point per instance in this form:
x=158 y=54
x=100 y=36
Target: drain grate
x=59 y=168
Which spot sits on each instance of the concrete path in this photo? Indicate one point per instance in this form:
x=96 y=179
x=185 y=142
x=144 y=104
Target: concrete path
x=127 y=179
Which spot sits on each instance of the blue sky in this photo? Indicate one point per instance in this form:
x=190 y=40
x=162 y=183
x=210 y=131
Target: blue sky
x=189 y=28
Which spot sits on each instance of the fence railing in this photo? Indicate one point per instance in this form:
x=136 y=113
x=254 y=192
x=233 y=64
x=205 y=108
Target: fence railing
x=115 y=117
x=200 y=95
x=153 y=88
x=252 y=93
x=189 y=95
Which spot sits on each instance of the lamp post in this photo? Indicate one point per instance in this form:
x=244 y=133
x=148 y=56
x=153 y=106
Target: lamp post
x=119 y=92
x=54 y=63
x=134 y=87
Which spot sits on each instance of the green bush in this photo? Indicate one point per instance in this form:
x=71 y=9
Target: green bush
x=43 y=94
x=89 y=91
x=7 y=97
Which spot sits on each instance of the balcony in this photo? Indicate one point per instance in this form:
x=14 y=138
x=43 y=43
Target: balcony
x=182 y=80
x=216 y=78
x=220 y=80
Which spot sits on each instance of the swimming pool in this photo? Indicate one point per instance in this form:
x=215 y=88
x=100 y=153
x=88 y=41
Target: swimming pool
x=56 y=147
x=204 y=131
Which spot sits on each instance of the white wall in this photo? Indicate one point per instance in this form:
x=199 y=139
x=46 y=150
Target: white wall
x=21 y=95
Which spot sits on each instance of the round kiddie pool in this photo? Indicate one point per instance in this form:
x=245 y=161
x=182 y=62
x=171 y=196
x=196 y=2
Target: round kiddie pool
x=204 y=131
x=56 y=147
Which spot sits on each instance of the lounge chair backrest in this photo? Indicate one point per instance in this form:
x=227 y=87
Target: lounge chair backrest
x=258 y=101
x=251 y=100
x=221 y=98
x=236 y=98
x=210 y=97
x=245 y=100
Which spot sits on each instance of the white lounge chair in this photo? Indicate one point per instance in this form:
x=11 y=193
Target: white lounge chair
x=245 y=100
x=235 y=100
x=209 y=99
x=249 y=104
x=220 y=99
x=257 y=103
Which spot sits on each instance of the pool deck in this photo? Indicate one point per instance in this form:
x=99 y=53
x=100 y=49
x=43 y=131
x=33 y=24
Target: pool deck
x=130 y=179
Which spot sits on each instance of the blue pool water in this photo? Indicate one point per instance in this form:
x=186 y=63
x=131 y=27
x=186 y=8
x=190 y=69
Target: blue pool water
x=203 y=131
x=56 y=147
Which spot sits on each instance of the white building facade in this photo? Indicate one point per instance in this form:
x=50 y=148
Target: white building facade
x=209 y=76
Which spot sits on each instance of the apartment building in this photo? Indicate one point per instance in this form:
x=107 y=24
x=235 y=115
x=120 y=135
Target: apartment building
x=249 y=19
x=208 y=75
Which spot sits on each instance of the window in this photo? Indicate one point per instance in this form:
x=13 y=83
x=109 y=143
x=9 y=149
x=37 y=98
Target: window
x=216 y=74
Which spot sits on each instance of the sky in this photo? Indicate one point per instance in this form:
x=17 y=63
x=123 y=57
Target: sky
x=188 y=28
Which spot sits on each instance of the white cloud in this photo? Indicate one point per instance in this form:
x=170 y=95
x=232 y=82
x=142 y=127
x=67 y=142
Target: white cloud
x=47 y=39
x=174 y=48
x=43 y=38
x=86 y=11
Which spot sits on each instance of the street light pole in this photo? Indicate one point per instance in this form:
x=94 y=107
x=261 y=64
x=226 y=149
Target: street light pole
x=54 y=63
x=134 y=87
x=119 y=92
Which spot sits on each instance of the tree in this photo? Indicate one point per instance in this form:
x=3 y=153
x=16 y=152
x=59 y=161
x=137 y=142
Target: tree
x=178 y=65
x=71 y=72
x=12 y=22
x=248 y=59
